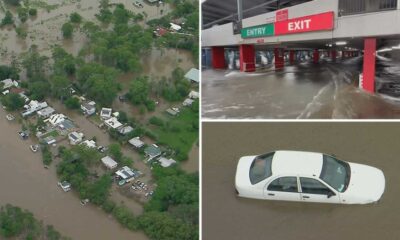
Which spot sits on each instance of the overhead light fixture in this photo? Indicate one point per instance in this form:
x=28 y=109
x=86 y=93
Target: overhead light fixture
x=385 y=50
x=340 y=43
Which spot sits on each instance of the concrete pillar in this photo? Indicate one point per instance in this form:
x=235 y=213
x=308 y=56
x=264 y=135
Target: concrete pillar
x=247 y=58
x=315 y=56
x=333 y=55
x=369 y=65
x=218 y=57
x=291 y=56
x=279 y=59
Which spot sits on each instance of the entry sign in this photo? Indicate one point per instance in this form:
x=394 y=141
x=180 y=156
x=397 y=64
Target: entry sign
x=258 y=31
x=311 y=23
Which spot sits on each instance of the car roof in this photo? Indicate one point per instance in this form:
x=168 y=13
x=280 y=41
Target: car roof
x=297 y=163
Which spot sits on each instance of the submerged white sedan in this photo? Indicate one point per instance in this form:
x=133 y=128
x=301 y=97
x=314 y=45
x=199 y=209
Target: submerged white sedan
x=307 y=177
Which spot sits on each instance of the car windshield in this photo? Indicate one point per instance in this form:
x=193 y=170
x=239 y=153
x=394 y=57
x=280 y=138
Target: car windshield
x=261 y=168
x=335 y=173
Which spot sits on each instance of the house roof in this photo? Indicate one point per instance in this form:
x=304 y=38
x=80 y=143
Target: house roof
x=172 y=112
x=152 y=151
x=193 y=75
x=188 y=102
x=46 y=111
x=136 y=142
x=113 y=123
x=166 y=162
x=106 y=112
x=89 y=143
x=126 y=173
x=126 y=129
x=109 y=162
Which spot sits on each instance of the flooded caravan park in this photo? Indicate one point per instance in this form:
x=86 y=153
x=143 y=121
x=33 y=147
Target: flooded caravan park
x=374 y=144
x=24 y=182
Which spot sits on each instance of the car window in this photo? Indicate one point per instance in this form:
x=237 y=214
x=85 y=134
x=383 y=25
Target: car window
x=260 y=169
x=284 y=184
x=335 y=173
x=312 y=186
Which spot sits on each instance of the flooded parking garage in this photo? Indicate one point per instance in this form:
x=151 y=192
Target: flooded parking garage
x=373 y=144
x=305 y=90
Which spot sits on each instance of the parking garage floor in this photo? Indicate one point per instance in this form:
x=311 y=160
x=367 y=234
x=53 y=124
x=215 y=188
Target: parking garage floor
x=305 y=90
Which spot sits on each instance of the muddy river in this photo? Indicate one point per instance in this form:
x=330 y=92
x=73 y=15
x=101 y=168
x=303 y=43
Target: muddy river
x=25 y=183
x=306 y=90
x=226 y=216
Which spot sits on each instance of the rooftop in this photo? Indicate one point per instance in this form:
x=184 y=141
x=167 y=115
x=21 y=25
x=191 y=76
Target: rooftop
x=193 y=75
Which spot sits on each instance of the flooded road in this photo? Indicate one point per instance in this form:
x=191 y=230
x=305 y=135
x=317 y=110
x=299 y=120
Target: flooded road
x=226 y=216
x=25 y=183
x=326 y=90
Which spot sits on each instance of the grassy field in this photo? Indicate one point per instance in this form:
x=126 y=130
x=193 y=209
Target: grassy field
x=179 y=132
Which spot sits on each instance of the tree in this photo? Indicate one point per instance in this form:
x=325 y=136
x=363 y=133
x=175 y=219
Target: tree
x=9 y=72
x=121 y=15
x=39 y=90
x=75 y=17
x=114 y=150
x=22 y=14
x=139 y=90
x=67 y=30
x=35 y=64
x=8 y=19
x=13 y=2
x=59 y=85
x=98 y=191
x=32 y=12
x=13 y=101
x=72 y=103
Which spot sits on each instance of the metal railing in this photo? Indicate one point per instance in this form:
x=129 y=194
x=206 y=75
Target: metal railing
x=351 y=7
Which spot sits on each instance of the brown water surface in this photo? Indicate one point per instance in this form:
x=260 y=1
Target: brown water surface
x=226 y=216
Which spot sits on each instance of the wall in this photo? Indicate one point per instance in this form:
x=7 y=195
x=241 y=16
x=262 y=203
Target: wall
x=370 y=24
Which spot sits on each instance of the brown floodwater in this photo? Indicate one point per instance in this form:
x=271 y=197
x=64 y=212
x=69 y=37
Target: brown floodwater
x=45 y=29
x=25 y=183
x=226 y=216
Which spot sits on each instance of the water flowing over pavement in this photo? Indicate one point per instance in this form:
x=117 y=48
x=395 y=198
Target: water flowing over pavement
x=326 y=90
x=226 y=216
x=25 y=183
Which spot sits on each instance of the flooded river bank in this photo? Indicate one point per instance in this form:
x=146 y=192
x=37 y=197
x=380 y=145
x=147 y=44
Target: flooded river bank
x=226 y=216
x=25 y=183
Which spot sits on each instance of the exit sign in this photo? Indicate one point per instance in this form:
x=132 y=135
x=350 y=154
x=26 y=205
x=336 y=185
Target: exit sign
x=311 y=23
x=258 y=31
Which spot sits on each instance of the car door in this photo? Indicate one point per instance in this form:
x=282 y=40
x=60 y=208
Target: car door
x=313 y=190
x=282 y=188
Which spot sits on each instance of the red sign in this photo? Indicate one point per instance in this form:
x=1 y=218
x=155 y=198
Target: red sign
x=260 y=40
x=282 y=15
x=317 y=22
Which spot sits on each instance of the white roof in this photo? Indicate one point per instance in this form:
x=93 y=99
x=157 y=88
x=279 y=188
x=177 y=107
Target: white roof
x=46 y=111
x=109 y=162
x=136 y=142
x=166 y=162
x=113 y=123
x=297 y=162
x=187 y=102
x=75 y=136
x=193 y=75
x=126 y=130
x=89 y=143
x=106 y=112
x=194 y=94
x=175 y=27
x=56 y=119
x=9 y=83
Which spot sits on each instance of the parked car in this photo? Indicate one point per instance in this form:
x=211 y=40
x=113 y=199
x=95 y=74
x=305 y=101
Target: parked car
x=23 y=135
x=307 y=177
x=102 y=149
x=85 y=201
x=138 y=4
x=10 y=117
x=34 y=148
x=66 y=186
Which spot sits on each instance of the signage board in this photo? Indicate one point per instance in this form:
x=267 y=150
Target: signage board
x=258 y=31
x=311 y=23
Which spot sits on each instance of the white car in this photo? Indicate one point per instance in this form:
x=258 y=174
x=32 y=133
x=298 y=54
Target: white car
x=66 y=186
x=307 y=177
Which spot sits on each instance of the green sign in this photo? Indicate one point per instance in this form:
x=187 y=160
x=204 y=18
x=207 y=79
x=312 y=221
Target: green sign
x=258 y=31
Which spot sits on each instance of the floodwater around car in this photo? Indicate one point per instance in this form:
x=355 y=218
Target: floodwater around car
x=25 y=183
x=226 y=216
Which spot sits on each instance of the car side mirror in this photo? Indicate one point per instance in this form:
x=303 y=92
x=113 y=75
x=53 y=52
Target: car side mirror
x=330 y=194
